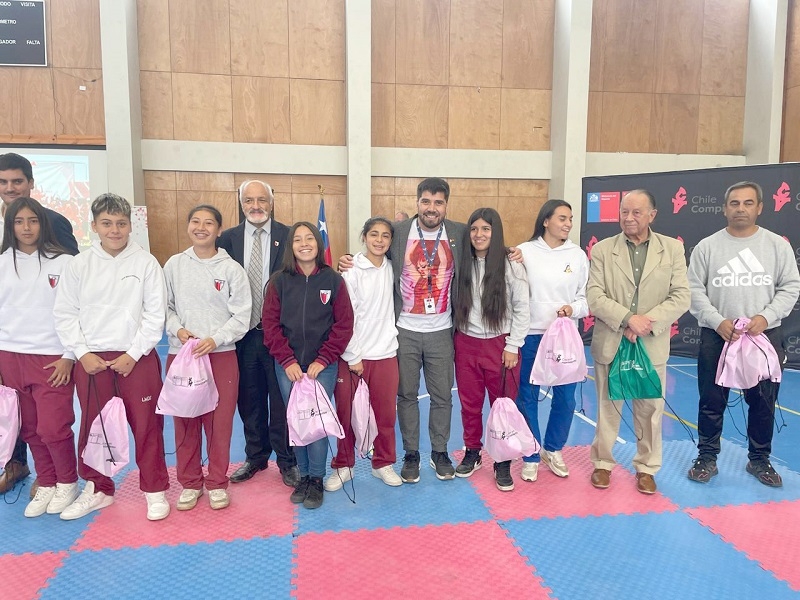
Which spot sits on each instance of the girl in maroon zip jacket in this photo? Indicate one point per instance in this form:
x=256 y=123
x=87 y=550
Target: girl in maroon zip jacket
x=308 y=322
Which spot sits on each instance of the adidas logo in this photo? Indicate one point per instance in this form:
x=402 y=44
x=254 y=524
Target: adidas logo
x=742 y=270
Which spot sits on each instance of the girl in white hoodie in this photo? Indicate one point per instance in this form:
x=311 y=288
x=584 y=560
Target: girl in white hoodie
x=371 y=355
x=208 y=298
x=32 y=359
x=557 y=274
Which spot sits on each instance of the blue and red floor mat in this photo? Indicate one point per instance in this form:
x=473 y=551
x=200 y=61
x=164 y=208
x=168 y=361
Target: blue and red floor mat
x=555 y=538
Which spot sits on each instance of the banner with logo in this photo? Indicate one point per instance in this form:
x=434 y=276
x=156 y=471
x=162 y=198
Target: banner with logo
x=690 y=205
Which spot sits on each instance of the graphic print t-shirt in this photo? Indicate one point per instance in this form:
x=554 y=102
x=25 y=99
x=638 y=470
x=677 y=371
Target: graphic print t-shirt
x=414 y=282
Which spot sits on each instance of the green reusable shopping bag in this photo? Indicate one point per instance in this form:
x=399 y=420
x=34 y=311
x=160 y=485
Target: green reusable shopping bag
x=632 y=376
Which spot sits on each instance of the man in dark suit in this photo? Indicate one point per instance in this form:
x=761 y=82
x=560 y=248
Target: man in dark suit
x=257 y=244
x=16 y=181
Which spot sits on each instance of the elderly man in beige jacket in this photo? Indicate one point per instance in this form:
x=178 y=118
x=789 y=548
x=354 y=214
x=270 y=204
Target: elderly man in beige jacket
x=637 y=288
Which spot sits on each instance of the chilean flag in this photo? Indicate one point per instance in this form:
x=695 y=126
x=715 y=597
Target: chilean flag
x=322 y=225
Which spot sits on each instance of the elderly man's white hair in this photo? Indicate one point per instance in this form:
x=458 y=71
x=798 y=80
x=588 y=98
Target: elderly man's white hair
x=264 y=183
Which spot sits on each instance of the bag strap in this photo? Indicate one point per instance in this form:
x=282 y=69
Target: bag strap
x=93 y=386
x=503 y=381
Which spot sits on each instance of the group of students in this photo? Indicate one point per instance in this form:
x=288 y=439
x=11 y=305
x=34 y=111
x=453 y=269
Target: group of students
x=108 y=306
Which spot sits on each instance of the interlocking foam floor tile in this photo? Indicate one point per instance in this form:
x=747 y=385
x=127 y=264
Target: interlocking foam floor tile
x=429 y=502
x=767 y=533
x=41 y=534
x=470 y=560
x=551 y=496
x=24 y=575
x=620 y=557
x=238 y=569
x=259 y=508
x=733 y=485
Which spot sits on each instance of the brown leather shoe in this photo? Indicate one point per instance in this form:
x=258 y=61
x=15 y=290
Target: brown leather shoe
x=645 y=483
x=601 y=478
x=14 y=472
x=34 y=487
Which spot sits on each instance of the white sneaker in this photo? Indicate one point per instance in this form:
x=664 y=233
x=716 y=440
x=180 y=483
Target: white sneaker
x=65 y=495
x=219 y=499
x=157 y=505
x=38 y=506
x=555 y=462
x=188 y=499
x=530 y=471
x=388 y=475
x=337 y=479
x=88 y=501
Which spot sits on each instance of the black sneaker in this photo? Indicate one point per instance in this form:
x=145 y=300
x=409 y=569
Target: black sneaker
x=410 y=471
x=300 y=491
x=469 y=464
x=763 y=471
x=314 y=496
x=703 y=470
x=441 y=463
x=502 y=476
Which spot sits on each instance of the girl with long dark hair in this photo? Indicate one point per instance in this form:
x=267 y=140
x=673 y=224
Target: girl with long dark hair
x=308 y=322
x=557 y=274
x=491 y=318
x=32 y=358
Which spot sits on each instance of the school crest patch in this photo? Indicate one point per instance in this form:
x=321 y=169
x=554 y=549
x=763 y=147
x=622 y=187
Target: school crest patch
x=325 y=296
x=219 y=284
x=53 y=280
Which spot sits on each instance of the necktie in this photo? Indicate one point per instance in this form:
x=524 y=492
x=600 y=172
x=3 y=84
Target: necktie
x=255 y=273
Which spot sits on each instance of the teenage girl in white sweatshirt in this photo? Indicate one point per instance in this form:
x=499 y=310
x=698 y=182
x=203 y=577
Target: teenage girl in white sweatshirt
x=32 y=359
x=208 y=298
x=557 y=274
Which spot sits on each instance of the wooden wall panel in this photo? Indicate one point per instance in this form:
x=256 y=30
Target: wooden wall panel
x=793 y=46
x=28 y=99
x=202 y=107
x=423 y=35
x=79 y=112
x=790 y=148
x=317 y=112
x=383 y=206
x=673 y=126
x=598 y=51
x=625 y=125
x=261 y=110
x=383 y=114
x=528 y=43
x=474 y=118
x=594 y=126
x=421 y=116
x=476 y=42
x=383 y=186
x=629 y=53
x=162 y=223
x=75 y=34
x=724 y=53
x=153 y=31
x=316 y=39
x=678 y=47
x=203 y=181
x=383 y=41
x=259 y=37
x=156 y=99
x=200 y=36
x=720 y=127
x=160 y=180
x=525 y=120
x=519 y=215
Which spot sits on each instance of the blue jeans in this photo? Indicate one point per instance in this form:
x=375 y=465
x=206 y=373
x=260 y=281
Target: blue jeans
x=561 y=410
x=312 y=459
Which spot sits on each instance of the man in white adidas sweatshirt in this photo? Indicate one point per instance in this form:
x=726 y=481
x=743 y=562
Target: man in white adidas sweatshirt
x=110 y=313
x=741 y=271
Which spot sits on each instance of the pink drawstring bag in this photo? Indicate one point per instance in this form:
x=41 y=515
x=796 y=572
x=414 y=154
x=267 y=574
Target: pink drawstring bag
x=363 y=420
x=9 y=423
x=560 y=358
x=189 y=389
x=747 y=360
x=507 y=434
x=310 y=414
x=107 y=449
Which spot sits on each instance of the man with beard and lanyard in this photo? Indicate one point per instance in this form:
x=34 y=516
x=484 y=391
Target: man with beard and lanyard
x=16 y=181
x=257 y=244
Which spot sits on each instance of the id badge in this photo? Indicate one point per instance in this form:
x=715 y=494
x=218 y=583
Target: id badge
x=430 y=306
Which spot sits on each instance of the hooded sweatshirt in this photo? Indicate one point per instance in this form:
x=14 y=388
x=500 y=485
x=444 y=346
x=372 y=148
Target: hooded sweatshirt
x=210 y=297
x=371 y=291
x=27 y=297
x=556 y=276
x=111 y=303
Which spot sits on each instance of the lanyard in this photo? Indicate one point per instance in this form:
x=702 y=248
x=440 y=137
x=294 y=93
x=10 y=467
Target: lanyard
x=429 y=258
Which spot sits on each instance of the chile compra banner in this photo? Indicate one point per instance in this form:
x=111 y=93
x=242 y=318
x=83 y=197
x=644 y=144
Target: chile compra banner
x=690 y=208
